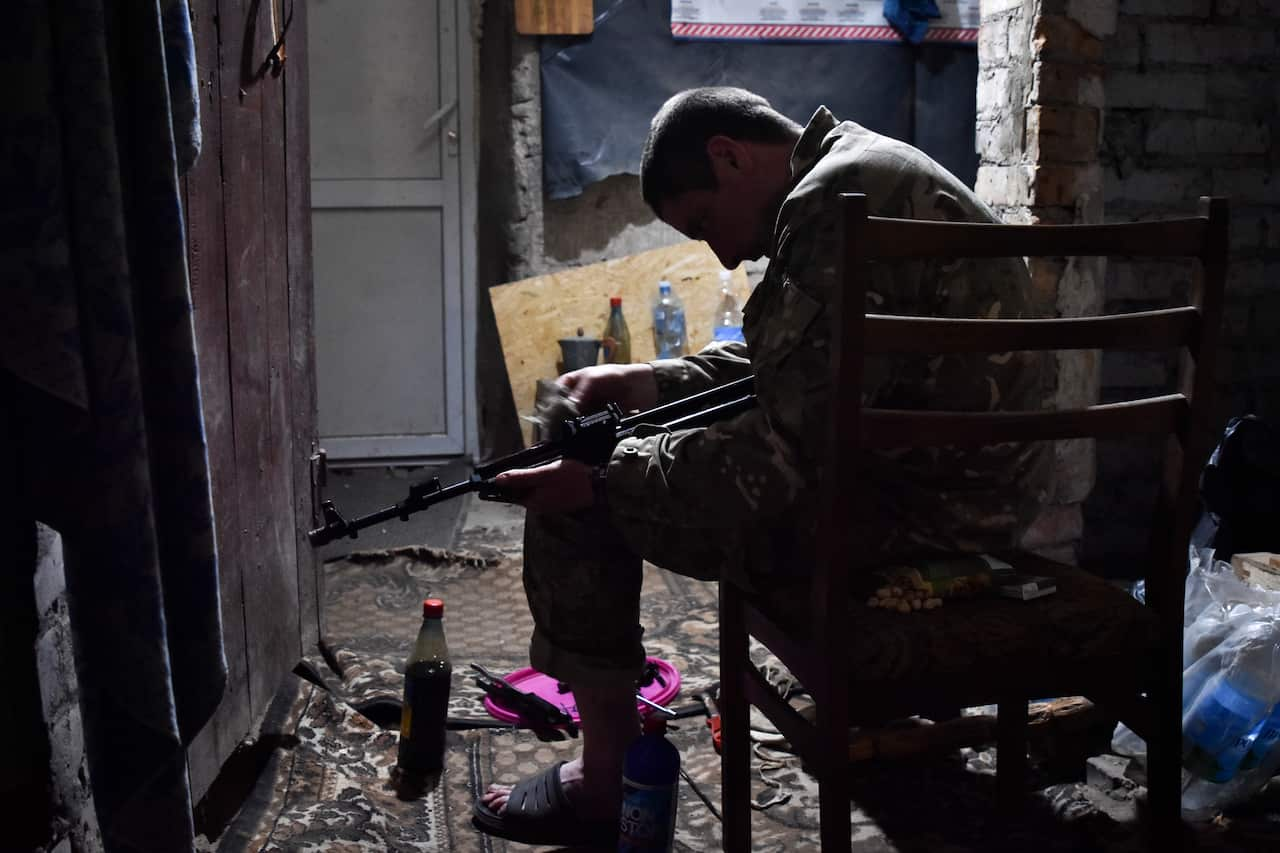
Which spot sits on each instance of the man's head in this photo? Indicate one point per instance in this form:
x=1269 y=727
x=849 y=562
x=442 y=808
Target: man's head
x=716 y=166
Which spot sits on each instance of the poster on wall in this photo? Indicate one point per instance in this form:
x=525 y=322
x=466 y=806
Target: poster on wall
x=822 y=20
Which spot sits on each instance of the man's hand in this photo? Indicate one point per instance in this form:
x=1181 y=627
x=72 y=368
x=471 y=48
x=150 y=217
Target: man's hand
x=631 y=386
x=560 y=486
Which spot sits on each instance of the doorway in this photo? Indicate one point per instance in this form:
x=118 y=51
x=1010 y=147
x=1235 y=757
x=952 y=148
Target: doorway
x=392 y=203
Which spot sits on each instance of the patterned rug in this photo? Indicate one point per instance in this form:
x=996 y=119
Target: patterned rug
x=329 y=786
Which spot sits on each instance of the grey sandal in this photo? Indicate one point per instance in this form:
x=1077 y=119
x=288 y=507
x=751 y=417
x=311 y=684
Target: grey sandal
x=538 y=812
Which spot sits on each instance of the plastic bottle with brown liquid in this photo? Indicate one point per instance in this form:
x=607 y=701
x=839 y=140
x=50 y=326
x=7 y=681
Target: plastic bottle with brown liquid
x=426 y=695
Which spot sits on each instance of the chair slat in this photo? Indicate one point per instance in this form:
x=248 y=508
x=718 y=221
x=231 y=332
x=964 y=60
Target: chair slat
x=1164 y=415
x=775 y=639
x=1143 y=331
x=910 y=238
x=799 y=732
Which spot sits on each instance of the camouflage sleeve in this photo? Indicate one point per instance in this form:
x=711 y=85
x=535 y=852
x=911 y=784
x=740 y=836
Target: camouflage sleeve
x=716 y=364
x=722 y=476
x=750 y=469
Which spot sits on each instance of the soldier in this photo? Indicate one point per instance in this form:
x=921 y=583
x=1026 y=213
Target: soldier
x=720 y=165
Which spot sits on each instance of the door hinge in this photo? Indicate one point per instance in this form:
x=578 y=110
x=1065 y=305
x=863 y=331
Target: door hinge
x=319 y=477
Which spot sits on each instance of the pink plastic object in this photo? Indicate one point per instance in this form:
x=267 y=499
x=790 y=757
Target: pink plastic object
x=531 y=681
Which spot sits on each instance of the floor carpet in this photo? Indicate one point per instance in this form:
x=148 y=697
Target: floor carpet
x=329 y=785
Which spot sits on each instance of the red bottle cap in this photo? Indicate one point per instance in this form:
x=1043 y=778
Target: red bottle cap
x=615 y=301
x=432 y=608
x=654 y=724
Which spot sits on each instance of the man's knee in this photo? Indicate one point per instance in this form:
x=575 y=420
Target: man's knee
x=588 y=535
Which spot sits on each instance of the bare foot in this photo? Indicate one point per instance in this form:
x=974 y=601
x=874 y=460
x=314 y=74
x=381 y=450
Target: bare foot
x=589 y=801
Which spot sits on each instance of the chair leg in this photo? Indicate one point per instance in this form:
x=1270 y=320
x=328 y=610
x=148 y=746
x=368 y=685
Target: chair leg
x=835 y=829
x=735 y=746
x=1011 y=753
x=1164 y=763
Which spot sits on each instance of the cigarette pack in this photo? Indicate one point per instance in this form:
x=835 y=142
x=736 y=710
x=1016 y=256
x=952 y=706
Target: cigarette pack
x=1025 y=587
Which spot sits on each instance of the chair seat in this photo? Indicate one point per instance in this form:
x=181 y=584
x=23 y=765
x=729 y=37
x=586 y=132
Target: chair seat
x=982 y=646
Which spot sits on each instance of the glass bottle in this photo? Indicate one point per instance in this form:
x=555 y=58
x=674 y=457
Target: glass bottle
x=427 y=673
x=616 y=340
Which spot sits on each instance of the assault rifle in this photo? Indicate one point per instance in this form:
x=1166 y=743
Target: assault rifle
x=587 y=438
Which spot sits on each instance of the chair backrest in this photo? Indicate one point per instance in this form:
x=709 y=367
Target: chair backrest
x=1181 y=417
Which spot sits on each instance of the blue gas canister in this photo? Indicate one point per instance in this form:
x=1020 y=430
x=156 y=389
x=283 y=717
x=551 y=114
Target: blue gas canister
x=650 y=774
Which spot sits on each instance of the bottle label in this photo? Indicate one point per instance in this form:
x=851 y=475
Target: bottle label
x=728 y=333
x=1215 y=732
x=423 y=718
x=1264 y=739
x=648 y=817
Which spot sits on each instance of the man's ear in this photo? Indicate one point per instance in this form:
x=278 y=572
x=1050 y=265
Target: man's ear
x=729 y=158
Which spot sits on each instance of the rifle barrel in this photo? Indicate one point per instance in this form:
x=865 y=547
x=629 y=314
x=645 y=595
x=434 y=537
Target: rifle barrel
x=706 y=417
x=659 y=415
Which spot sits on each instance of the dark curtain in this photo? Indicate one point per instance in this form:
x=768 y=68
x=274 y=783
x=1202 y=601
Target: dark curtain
x=101 y=388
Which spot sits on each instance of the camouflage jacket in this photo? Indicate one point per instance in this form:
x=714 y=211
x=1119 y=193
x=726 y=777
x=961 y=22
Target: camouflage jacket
x=758 y=474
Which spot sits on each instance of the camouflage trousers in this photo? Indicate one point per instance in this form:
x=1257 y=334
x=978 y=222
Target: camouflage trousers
x=583 y=582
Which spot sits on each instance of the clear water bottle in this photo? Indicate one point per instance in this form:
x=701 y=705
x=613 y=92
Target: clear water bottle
x=650 y=774
x=727 y=323
x=1217 y=726
x=669 y=335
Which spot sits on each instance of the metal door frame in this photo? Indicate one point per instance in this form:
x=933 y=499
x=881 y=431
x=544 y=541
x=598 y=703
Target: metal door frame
x=456 y=123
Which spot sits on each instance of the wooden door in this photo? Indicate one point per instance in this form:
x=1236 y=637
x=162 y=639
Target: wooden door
x=248 y=239
x=387 y=216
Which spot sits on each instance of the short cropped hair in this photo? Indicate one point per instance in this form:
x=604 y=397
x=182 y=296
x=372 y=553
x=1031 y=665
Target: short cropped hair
x=675 y=153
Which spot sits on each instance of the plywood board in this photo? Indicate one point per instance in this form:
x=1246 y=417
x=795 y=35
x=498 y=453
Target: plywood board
x=554 y=17
x=534 y=313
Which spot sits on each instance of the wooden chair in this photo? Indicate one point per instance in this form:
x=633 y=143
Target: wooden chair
x=1139 y=684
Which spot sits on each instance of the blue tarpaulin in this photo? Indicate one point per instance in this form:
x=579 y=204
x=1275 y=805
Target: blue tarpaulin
x=599 y=91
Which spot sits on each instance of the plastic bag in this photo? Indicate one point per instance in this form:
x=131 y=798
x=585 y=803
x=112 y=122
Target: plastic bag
x=1230 y=689
x=1231 y=640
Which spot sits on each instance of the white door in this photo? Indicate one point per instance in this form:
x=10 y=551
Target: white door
x=390 y=93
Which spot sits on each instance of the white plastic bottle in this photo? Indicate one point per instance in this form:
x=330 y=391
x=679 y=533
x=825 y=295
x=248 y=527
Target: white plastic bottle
x=727 y=323
x=669 y=335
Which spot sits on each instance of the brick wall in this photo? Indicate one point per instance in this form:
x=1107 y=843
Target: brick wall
x=1192 y=96
x=1040 y=101
x=74 y=825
